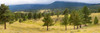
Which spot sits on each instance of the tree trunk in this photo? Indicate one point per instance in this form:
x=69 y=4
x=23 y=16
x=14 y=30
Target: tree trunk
x=80 y=26
x=47 y=27
x=4 y=25
x=65 y=27
x=74 y=26
x=77 y=26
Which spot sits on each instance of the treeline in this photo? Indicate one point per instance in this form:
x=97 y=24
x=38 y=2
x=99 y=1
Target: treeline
x=75 y=17
x=24 y=16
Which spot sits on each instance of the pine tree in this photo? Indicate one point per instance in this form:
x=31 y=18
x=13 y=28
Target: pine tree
x=66 y=11
x=47 y=21
x=65 y=21
x=16 y=16
x=25 y=17
x=5 y=15
x=30 y=15
x=95 y=20
x=57 y=13
x=81 y=17
x=39 y=15
x=86 y=13
x=20 y=20
x=35 y=16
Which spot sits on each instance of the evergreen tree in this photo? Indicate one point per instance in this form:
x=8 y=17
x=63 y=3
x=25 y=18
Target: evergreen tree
x=47 y=21
x=25 y=17
x=20 y=20
x=95 y=20
x=57 y=13
x=39 y=15
x=5 y=15
x=66 y=11
x=81 y=17
x=65 y=21
x=16 y=16
x=35 y=16
x=30 y=15
x=86 y=13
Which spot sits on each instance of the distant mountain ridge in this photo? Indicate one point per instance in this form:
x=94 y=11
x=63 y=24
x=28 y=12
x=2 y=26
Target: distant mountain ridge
x=56 y=4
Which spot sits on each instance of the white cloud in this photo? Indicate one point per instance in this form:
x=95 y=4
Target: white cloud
x=85 y=1
x=15 y=2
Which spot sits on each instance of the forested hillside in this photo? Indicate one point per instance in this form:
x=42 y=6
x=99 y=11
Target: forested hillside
x=54 y=5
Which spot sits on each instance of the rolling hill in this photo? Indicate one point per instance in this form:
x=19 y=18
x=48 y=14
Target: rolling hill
x=56 y=4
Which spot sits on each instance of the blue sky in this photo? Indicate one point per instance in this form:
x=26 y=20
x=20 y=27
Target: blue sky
x=16 y=2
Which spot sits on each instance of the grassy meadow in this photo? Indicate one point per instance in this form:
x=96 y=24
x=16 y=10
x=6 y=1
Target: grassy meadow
x=35 y=26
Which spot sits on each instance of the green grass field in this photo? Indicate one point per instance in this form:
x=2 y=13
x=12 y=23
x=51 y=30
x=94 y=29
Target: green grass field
x=35 y=26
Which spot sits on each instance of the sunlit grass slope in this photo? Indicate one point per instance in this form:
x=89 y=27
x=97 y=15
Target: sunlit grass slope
x=35 y=26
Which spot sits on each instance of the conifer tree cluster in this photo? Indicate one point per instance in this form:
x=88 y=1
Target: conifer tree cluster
x=47 y=20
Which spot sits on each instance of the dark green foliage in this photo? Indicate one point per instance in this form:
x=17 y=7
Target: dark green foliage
x=47 y=20
x=25 y=17
x=16 y=16
x=76 y=18
x=5 y=15
x=12 y=18
x=95 y=20
x=99 y=10
x=65 y=21
x=81 y=16
x=86 y=13
x=39 y=15
x=30 y=15
x=66 y=11
x=58 y=13
x=35 y=16
x=20 y=20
